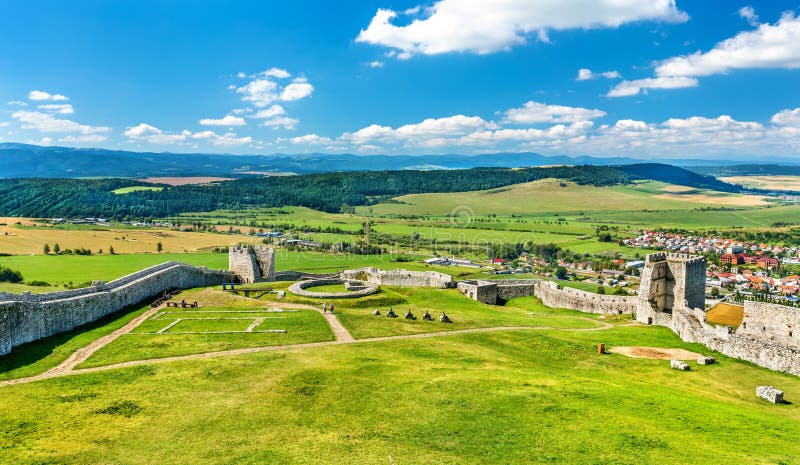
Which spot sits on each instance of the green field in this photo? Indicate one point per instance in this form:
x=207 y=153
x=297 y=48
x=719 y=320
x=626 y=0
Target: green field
x=128 y=190
x=555 y=196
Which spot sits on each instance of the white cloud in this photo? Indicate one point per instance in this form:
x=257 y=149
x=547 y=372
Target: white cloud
x=260 y=92
x=228 y=120
x=430 y=132
x=534 y=112
x=311 y=139
x=637 y=86
x=18 y=103
x=281 y=122
x=277 y=73
x=584 y=74
x=749 y=14
x=478 y=26
x=264 y=91
x=39 y=95
x=376 y=64
x=768 y=46
x=45 y=122
x=4 y=124
x=296 y=91
x=153 y=135
x=787 y=118
x=271 y=112
x=228 y=139
x=60 y=108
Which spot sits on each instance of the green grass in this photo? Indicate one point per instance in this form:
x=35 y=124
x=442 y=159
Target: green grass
x=512 y=398
x=80 y=269
x=128 y=190
x=301 y=326
x=356 y=314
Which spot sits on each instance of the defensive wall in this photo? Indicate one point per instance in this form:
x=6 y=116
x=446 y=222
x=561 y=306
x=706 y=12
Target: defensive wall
x=400 y=278
x=672 y=294
x=551 y=294
x=28 y=317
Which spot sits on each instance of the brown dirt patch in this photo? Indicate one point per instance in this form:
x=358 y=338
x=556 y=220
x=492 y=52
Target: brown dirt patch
x=726 y=314
x=657 y=353
x=182 y=181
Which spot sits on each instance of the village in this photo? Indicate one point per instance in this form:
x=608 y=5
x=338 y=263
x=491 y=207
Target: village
x=745 y=269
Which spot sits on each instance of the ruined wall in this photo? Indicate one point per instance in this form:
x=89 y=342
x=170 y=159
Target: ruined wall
x=482 y=291
x=589 y=302
x=243 y=264
x=265 y=257
x=301 y=289
x=508 y=291
x=28 y=317
x=252 y=264
x=401 y=278
x=771 y=322
x=692 y=326
x=669 y=281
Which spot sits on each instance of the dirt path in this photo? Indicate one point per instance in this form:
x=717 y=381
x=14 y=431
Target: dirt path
x=67 y=368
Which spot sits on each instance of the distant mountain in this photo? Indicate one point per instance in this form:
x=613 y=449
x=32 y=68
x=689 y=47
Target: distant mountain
x=27 y=161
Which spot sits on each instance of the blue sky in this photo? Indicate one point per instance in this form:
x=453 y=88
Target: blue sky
x=644 y=78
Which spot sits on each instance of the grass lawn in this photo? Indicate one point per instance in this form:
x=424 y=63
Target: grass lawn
x=513 y=398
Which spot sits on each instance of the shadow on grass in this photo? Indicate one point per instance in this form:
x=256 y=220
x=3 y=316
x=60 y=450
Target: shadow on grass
x=32 y=352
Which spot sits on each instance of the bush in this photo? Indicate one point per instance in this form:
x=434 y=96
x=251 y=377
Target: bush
x=38 y=283
x=7 y=275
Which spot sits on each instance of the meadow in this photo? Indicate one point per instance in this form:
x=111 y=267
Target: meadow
x=503 y=397
x=552 y=195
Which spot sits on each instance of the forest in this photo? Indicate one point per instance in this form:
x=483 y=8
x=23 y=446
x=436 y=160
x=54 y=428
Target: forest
x=329 y=192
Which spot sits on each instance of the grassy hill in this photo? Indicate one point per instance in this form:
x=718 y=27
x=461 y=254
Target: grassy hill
x=552 y=195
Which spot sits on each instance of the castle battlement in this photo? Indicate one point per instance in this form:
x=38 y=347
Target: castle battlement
x=656 y=257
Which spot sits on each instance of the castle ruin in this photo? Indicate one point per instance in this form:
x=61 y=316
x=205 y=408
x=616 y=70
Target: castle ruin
x=667 y=281
x=252 y=264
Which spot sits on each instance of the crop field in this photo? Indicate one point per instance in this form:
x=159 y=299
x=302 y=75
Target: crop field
x=28 y=239
x=781 y=183
x=726 y=314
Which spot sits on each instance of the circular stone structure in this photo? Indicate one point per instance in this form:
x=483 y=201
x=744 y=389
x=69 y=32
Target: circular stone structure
x=301 y=288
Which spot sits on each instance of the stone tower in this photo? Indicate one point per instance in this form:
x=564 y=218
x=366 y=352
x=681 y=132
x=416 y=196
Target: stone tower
x=668 y=282
x=252 y=264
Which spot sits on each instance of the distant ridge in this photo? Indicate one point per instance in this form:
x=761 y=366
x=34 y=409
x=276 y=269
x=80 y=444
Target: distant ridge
x=29 y=161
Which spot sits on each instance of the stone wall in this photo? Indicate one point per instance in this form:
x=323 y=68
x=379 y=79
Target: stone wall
x=669 y=281
x=28 y=317
x=301 y=289
x=482 y=291
x=243 y=264
x=589 y=302
x=771 y=322
x=691 y=326
x=401 y=278
x=252 y=264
